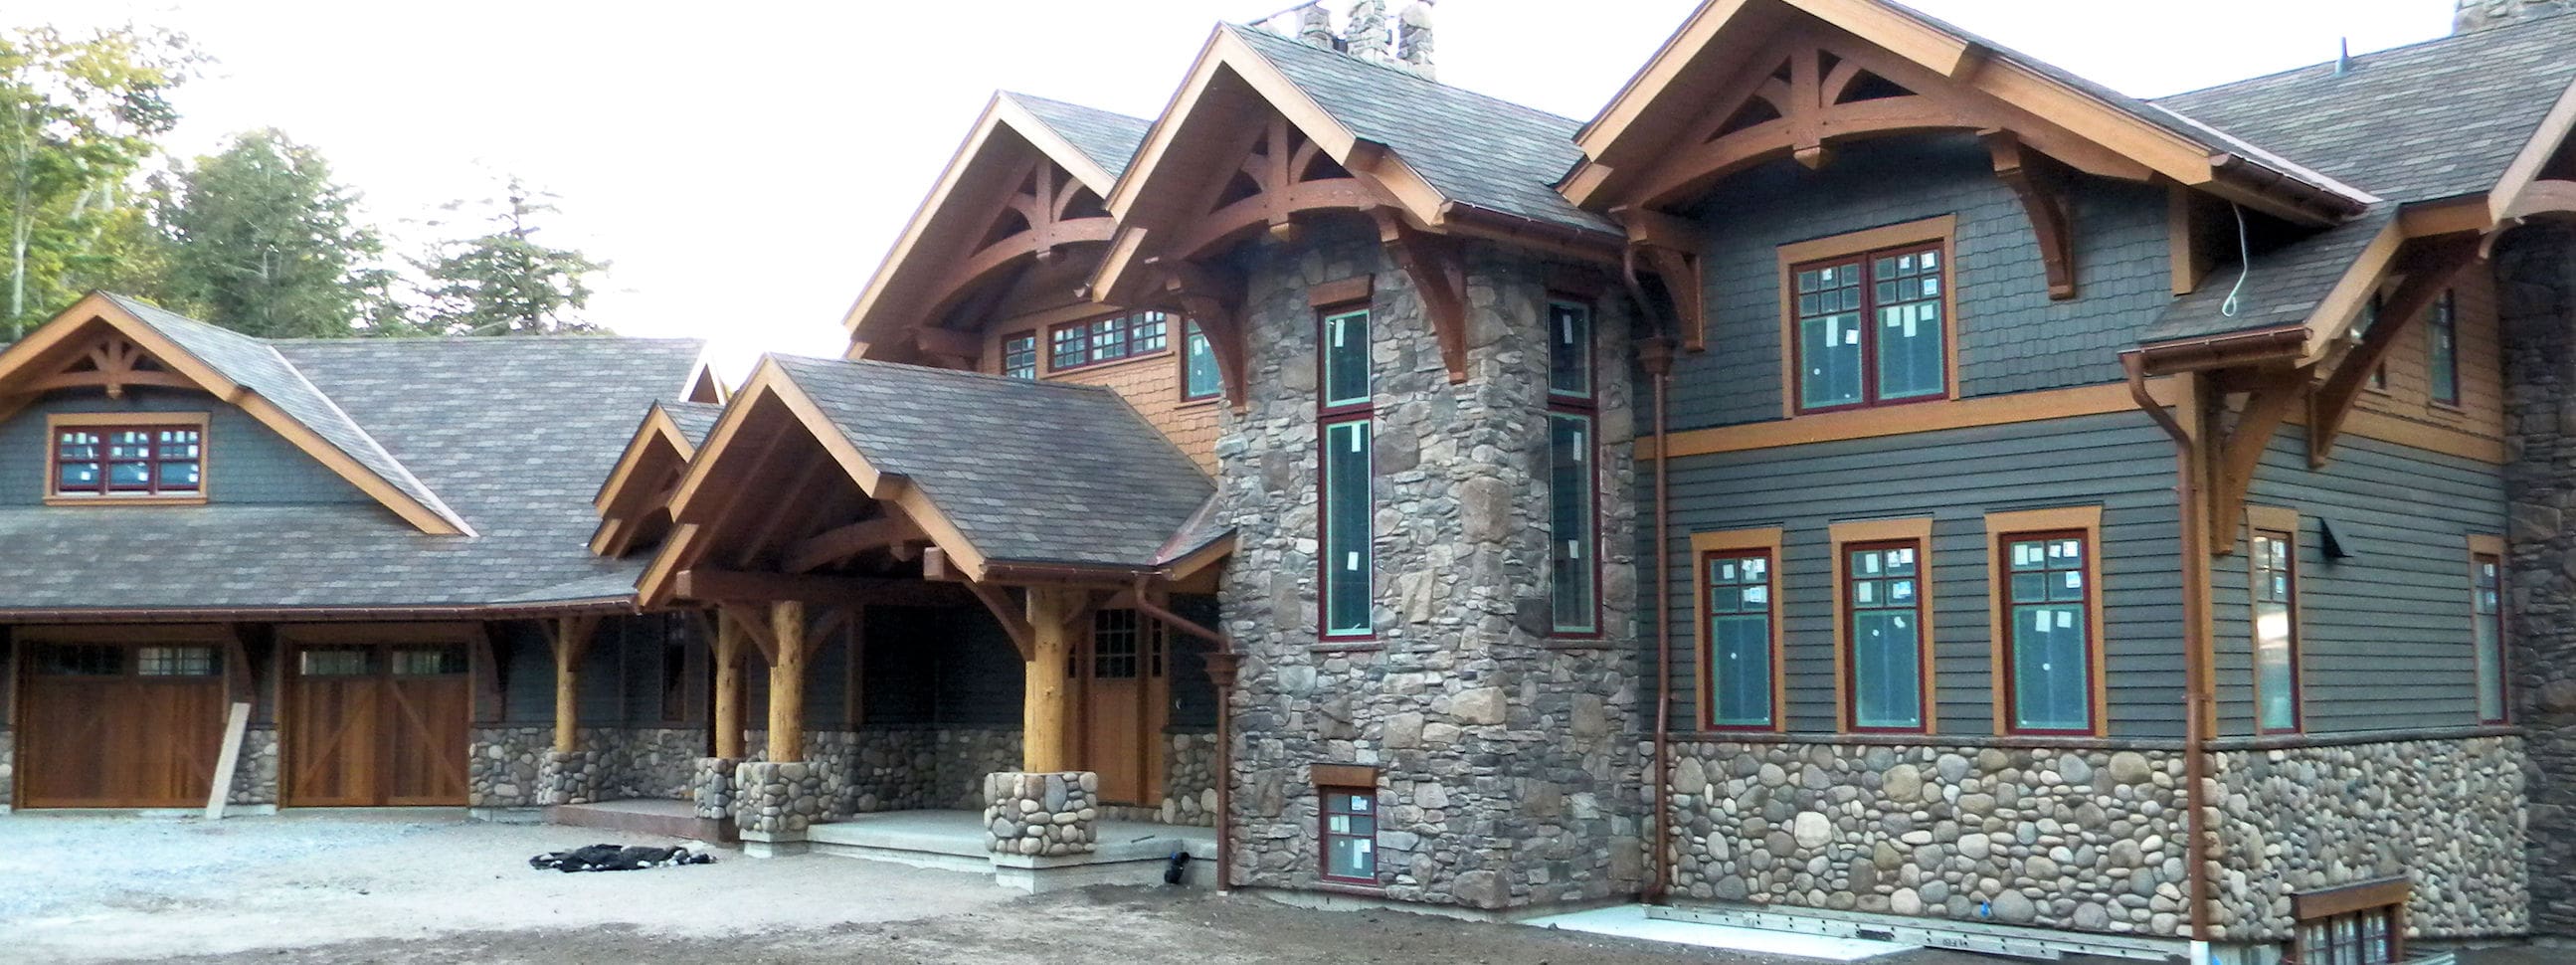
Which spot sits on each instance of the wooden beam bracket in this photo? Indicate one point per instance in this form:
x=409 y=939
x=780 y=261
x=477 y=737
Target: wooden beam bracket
x=1213 y=298
x=2429 y=268
x=2269 y=402
x=1013 y=615
x=840 y=543
x=1439 y=277
x=2041 y=185
x=1670 y=247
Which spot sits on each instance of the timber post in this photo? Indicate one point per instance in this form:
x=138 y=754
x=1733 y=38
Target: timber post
x=1047 y=701
x=572 y=635
x=787 y=682
x=728 y=710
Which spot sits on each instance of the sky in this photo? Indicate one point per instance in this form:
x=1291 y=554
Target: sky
x=745 y=165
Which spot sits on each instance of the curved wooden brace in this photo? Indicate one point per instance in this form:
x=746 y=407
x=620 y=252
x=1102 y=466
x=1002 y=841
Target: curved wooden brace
x=2430 y=268
x=1213 y=298
x=1670 y=246
x=2543 y=198
x=2239 y=451
x=1439 y=277
x=2041 y=187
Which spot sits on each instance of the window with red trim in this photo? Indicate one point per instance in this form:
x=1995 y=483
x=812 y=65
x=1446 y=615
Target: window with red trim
x=2276 y=632
x=1077 y=344
x=2486 y=606
x=1738 y=661
x=1883 y=621
x=1574 y=569
x=1349 y=834
x=1020 y=355
x=2048 y=652
x=141 y=460
x=2445 y=328
x=1870 y=329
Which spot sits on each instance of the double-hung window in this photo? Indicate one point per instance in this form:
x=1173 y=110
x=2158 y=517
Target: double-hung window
x=2445 y=362
x=2048 y=633
x=1884 y=635
x=1870 y=330
x=1200 y=377
x=1740 y=625
x=2486 y=608
x=1348 y=520
x=1573 y=451
x=1020 y=355
x=2276 y=629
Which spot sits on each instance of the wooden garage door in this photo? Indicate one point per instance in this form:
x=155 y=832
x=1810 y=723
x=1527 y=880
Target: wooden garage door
x=374 y=725
x=116 y=726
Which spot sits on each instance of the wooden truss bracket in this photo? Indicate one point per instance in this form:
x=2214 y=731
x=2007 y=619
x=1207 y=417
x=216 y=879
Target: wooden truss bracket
x=111 y=364
x=2238 y=452
x=754 y=629
x=2429 y=269
x=1214 y=298
x=840 y=543
x=1439 y=277
x=2040 y=183
x=1013 y=615
x=1670 y=247
x=2542 y=198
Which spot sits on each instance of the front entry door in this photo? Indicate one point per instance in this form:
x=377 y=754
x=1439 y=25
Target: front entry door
x=1121 y=668
x=370 y=725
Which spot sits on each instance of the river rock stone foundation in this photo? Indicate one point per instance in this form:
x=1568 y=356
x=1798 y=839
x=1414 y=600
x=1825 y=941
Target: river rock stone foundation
x=2090 y=840
x=1042 y=815
x=646 y=762
x=572 y=778
x=777 y=801
x=502 y=765
x=255 y=771
x=1189 y=780
x=712 y=787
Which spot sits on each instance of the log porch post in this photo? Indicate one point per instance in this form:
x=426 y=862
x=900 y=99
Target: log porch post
x=1046 y=745
x=787 y=682
x=572 y=636
x=728 y=716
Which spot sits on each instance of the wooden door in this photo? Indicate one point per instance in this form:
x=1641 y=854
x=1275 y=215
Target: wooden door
x=1119 y=666
x=368 y=726
x=116 y=726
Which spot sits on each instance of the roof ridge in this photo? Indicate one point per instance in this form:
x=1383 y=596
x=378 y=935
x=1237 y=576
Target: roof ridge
x=2361 y=59
x=1024 y=95
x=1401 y=72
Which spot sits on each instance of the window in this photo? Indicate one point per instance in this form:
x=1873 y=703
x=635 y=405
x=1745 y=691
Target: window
x=1116 y=645
x=2486 y=607
x=2361 y=924
x=2276 y=630
x=176 y=662
x=1105 y=340
x=2049 y=651
x=1741 y=631
x=1882 y=592
x=428 y=661
x=1348 y=519
x=2361 y=329
x=1200 y=377
x=1869 y=329
x=2445 y=363
x=129 y=460
x=80 y=660
x=1020 y=355
x=336 y=662
x=1574 y=571
x=1350 y=834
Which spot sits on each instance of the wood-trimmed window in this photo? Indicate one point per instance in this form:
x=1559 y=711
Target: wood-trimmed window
x=2442 y=329
x=1201 y=378
x=1348 y=832
x=1020 y=355
x=1574 y=565
x=1882 y=625
x=2486 y=612
x=2370 y=319
x=1868 y=318
x=1349 y=507
x=2045 y=572
x=1104 y=340
x=2274 y=586
x=1740 y=683
x=126 y=457
x=2360 y=924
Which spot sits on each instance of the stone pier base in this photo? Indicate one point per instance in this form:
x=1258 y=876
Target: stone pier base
x=774 y=802
x=569 y=778
x=1042 y=815
x=712 y=787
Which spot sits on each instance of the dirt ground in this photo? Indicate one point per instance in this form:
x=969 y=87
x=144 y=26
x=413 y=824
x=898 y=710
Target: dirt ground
x=396 y=889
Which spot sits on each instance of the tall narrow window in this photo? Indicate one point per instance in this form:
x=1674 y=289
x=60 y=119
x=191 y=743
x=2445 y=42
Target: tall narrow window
x=2049 y=660
x=1350 y=834
x=1739 y=671
x=2486 y=599
x=1869 y=329
x=1200 y=377
x=2276 y=631
x=1020 y=355
x=1574 y=547
x=1348 y=519
x=1883 y=624
x=2361 y=329
x=2445 y=327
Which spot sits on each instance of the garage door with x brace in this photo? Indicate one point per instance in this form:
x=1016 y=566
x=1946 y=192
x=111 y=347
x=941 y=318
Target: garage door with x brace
x=117 y=726
x=374 y=725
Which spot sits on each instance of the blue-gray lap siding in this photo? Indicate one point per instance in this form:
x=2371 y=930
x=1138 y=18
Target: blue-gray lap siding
x=2120 y=462
x=2012 y=337
x=246 y=463
x=2384 y=633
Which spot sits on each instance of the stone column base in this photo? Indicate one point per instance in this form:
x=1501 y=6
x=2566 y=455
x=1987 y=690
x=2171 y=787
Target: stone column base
x=569 y=778
x=1049 y=815
x=712 y=787
x=774 y=802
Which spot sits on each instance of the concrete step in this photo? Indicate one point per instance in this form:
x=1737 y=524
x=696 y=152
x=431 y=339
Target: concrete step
x=670 y=819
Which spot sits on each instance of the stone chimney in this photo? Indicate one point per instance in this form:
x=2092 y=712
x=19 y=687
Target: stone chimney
x=2474 y=15
x=1364 y=36
x=1413 y=38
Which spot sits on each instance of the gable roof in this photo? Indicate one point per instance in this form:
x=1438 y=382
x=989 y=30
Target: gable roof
x=1109 y=140
x=1028 y=472
x=2432 y=120
x=695 y=419
x=513 y=432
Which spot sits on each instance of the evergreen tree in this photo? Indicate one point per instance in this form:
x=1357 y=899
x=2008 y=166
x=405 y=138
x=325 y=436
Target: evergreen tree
x=263 y=242
x=504 y=282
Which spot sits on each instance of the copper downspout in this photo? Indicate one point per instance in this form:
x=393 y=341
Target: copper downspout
x=1220 y=670
x=2195 y=615
x=1657 y=358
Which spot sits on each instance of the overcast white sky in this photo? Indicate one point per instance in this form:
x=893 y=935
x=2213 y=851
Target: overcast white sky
x=746 y=163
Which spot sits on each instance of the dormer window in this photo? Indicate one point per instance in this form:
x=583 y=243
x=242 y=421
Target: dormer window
x=128 y=457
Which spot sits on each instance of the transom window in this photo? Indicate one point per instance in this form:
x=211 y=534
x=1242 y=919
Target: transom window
x=1739 y=632
x=1569 y=358
x=1106 y=340
x=2051 y=653
x=2276 y=631
x=1350 y=834
x=139 y=460
x=1883 y=618
x=428 y=661
x=1020 y=355
x=336 y=662
x=1870 y=329
x=2446 y=350
x=176 y=662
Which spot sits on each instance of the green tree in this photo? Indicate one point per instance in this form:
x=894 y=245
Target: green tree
x=77 y=118
x=263 y=242
x=504 y=282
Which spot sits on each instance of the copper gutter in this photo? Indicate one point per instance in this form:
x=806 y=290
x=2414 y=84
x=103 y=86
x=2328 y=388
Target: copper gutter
x=2196 y=644
x=1657 y=357
x=1220 y=669
x=2222 y=351
x=619 y=605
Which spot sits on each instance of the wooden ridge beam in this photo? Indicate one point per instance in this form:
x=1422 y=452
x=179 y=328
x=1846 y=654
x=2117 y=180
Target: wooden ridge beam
x=1439 y=277
x=2040 y=184
x=2429 y=268
x=840 y=543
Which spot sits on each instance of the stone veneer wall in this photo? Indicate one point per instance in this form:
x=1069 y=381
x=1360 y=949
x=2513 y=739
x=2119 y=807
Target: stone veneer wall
x=2535 y=269
x=902 y=768
x=255 y=771
x=1189 y=780
x=1042 y=815
x=502 y=765
x=8 y=768
x=1506 y=772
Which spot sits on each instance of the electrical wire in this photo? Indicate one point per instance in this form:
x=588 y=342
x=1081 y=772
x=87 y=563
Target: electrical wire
x=2244 y=263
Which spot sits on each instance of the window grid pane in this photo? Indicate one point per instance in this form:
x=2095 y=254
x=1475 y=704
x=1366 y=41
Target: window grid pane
x=2046 y=606
x=1571 y=552
x=1346 y=359
x=1070 y=346
x=80 y=660
x=1020 y=356
x=1829 y=336
x=1739 y=609
x=1348 y=524
x=2486 y=595
x=336 y=662
x=129 y=461
x=1115 y=649
x=1871 y=330
x=176 y=662
x=428 y=661
x=1200 y=376
x=1569 y=362
x=1883 y=604
x=1349 y=834
x=2276 y=645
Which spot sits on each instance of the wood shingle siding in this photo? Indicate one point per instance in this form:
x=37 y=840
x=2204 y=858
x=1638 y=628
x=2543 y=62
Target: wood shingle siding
x=246 y=463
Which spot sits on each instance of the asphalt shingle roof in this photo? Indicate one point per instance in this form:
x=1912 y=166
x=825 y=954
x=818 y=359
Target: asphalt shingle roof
x=514 y=432
x=2284 y=288
x=2418 y=123
x=1030 y=472
x=1476 y=150
x=695 y=419
x=1110 y=140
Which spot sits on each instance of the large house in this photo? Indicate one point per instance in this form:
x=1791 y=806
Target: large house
x=1865 y=479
